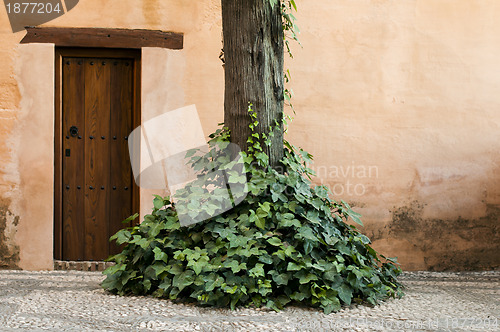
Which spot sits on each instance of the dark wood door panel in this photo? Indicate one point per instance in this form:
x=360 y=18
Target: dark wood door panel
x=121 y=181
x=99 y=97
x=97 y=115
x=73 y=155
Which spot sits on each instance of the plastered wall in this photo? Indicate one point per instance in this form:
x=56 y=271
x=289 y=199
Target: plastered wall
x=397 y=100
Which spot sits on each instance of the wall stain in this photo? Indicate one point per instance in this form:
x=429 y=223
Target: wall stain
x=9 y=253
x=447 y=245
x=151 y=12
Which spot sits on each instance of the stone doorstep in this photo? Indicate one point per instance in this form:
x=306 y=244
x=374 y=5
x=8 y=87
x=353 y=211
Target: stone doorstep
x=81 y=265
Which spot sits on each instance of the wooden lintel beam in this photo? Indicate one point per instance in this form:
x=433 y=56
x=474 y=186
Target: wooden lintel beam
x=104 y=38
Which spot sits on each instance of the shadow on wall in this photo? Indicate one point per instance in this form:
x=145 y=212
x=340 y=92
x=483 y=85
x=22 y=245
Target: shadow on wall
x=9 y=252
x=446 y=245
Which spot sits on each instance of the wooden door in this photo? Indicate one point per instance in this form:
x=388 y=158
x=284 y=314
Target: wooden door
x=98 y=106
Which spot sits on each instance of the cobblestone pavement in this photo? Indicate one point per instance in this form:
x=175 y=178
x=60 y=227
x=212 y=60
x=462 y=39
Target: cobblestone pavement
x=74 y=301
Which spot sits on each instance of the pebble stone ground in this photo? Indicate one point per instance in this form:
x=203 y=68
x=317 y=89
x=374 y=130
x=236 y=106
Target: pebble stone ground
x=74 y=301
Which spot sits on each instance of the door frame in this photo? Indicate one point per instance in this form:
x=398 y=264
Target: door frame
x=61 y=52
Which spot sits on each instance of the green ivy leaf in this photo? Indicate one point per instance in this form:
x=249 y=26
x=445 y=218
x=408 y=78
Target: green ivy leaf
x=257 y=271
x=306 y=277
x=331 y=306
x=160 y=255
x=307 y=233
x=345 y=293
x=266 y=259
x=131 y=218
x=198 y=265
x=266 y=207
x=274 y=241
x=121 y=237
x=235 y=265
x=260 y=222
x=353 y=215
x=158 y=203
x=183 y=280
x=280 y=278
x=213 y=281
x=293 y=267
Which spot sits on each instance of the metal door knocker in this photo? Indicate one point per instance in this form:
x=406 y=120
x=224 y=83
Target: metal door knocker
x=73 y=131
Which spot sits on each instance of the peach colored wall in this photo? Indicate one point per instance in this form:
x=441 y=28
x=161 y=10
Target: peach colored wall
x=33 y=143
x=411 y=89
x=10 y=98
x=403 y=92
x=28 y=161
x=162 y=91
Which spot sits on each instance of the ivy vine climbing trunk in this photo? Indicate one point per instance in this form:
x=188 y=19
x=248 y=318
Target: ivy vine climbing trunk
x=254 y=58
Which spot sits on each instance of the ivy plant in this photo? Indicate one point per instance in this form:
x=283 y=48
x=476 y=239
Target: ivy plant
x=287 y=242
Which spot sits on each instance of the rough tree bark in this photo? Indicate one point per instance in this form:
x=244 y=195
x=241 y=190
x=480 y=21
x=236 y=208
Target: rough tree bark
x=254 y=57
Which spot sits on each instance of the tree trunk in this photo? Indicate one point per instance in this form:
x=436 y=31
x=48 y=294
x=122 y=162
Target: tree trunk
x=254 y=57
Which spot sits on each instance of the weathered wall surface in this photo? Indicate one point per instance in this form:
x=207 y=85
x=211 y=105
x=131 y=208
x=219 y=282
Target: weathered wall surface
x=397 y=100
x=10 y=98
x=28 y=163
x=33 y=144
